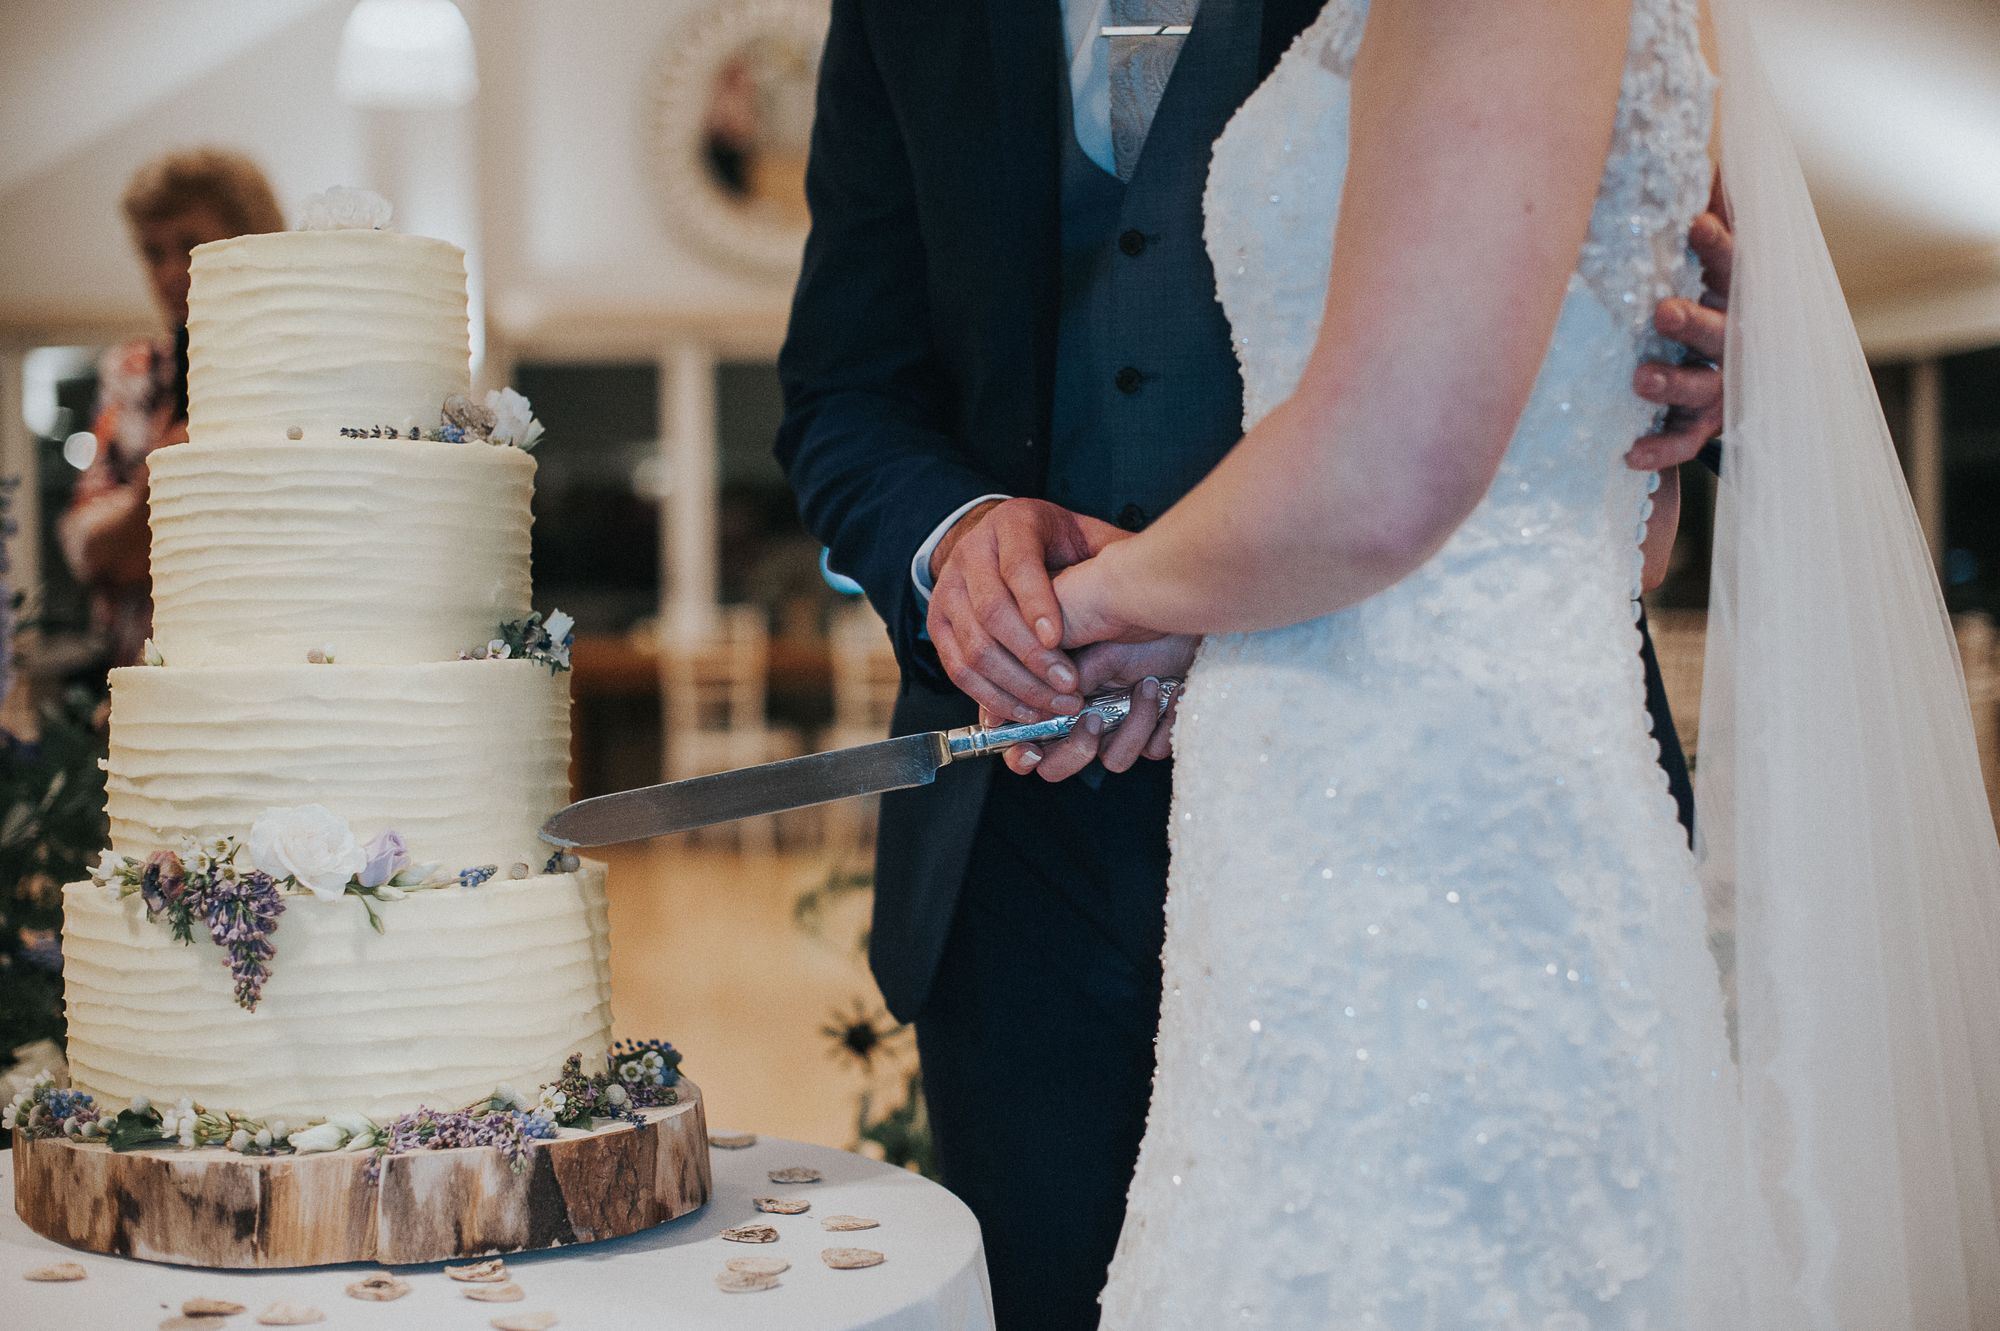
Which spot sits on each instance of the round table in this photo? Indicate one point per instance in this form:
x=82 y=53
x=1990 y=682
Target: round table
x=934 y=1278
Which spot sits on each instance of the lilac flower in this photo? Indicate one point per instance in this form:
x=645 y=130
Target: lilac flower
x=506 y=1131
x=242 y=914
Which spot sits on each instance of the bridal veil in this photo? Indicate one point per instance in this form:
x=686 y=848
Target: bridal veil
x=1840 y=805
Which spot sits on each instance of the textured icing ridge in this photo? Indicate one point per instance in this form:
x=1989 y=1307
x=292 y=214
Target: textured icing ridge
x=462 y=991
x=320 y=329
x=387 y=550
x=464 y=758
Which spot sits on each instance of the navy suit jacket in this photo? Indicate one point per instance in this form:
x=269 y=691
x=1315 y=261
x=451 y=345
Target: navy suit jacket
x=917 y=369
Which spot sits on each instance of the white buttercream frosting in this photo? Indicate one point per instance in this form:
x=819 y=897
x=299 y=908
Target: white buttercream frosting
x=387 y=550
x=462 y=991
x=275 y=537
x=464 y=758
x=323 y=329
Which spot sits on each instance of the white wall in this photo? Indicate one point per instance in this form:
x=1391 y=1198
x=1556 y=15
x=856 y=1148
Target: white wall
x=573 y=222
x=571 y=228
x=1896 y=105
x=64 y=254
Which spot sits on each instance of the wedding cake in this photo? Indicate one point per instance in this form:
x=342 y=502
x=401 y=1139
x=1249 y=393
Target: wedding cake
x=325 y=896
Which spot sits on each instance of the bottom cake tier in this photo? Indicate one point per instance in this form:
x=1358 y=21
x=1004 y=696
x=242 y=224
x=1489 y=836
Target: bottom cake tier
x=462 y=990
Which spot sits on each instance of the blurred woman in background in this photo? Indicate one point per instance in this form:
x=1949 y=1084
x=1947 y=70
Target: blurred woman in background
x=172 y=204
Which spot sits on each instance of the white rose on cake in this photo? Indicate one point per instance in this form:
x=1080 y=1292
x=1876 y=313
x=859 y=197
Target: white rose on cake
x=310 y=843
x=514 y=420
x=345 y=209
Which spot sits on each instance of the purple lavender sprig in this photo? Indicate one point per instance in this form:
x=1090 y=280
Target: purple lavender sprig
x=505 y=1130
x=242 y=913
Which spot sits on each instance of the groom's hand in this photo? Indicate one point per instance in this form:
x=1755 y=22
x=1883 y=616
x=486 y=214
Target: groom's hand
x=1692 y=390
x=994 y=618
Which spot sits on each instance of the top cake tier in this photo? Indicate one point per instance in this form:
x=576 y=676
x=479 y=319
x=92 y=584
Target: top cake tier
x=323 y=329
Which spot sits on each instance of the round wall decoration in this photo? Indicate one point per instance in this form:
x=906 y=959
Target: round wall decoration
x=730 y=119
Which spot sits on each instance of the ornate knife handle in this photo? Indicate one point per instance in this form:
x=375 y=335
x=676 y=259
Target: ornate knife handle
x=976 y=742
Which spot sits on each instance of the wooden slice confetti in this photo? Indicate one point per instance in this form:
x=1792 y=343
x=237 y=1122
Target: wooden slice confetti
x=525 y=1322
x=851 y=1259
x=60 y=1271
x=841 y=1223
x=378 y=1288
x=210 y=1308
x=732 y=1141
x=796 y=1174
x=757 y=1266
x=290 y=1314
x=751 y=1234
x=781 y=1205
x=743 y=1282
x=182 y=1322
x=507 y=1293
x=490 y=1271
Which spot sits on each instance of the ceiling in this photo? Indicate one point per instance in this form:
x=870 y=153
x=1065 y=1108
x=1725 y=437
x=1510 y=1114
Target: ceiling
x=1895 y=107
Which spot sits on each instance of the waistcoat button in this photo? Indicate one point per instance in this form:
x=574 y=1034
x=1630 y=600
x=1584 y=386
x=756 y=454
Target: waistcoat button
x=1133 y=243
x=1127 y=380
x=1132 y=517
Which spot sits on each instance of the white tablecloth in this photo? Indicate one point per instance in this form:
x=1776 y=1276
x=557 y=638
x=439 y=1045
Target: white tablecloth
x=934 y=1278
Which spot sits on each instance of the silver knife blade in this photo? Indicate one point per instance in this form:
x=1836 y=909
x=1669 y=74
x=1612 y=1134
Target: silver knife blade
x=795 y=783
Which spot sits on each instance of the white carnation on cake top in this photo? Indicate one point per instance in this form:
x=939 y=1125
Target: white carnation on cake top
x=343 y=208
x=311 y=844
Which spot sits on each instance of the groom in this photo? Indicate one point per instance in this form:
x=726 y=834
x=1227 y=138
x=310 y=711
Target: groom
x=1006 y=294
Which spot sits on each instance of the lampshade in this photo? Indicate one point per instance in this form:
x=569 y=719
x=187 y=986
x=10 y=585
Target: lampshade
x=406 y=55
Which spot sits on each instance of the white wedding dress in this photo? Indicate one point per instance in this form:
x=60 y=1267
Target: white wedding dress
x=1443 y=1041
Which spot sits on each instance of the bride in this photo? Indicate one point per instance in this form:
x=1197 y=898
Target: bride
x=1444 y=1043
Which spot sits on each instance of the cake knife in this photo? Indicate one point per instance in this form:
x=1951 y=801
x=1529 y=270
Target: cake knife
x=817 y=778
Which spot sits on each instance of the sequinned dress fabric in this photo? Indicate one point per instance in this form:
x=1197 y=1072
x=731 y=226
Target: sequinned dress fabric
x=1443 y=1042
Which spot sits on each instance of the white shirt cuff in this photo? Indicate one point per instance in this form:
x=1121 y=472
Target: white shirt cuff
x=920 y=565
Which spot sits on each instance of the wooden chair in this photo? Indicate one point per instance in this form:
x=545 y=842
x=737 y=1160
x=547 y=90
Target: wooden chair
x=1679 y=637
x=866 y=680
x=1979 y=648
x=713 y=690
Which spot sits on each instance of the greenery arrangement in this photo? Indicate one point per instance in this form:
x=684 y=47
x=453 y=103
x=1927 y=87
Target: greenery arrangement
x=637 y=1075
x=51 y=826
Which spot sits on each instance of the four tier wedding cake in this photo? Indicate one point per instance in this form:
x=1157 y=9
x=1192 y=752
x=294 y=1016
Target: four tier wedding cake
x=325 y=898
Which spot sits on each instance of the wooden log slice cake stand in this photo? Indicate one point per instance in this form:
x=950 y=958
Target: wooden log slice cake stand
x=212 y=1207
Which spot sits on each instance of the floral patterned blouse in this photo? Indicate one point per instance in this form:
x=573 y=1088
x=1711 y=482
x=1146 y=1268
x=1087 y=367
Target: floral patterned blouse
x=142 y=405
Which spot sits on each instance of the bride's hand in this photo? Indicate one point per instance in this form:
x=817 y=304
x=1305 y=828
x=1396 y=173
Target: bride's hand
x=1147 y=733
x=1083 y=592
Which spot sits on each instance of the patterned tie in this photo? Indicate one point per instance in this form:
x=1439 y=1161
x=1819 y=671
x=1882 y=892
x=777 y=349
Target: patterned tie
x=1145 y=37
